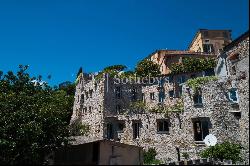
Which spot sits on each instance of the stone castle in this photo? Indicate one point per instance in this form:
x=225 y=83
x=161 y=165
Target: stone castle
x=169 y=115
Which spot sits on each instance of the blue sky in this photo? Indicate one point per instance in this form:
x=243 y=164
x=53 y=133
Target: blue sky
x=56 y=37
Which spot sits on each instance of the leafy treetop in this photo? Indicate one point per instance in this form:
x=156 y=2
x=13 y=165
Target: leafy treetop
x=147 y=68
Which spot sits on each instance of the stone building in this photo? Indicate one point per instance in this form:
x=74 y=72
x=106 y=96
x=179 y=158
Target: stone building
x=210 y=41
x=156 y=114
x=206 y=43
x=233 y=67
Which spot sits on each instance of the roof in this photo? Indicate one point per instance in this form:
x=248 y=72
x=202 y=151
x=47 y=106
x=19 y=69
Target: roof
x=83 y=141
x=179 y=52
x=200 y=30
x=237 y=41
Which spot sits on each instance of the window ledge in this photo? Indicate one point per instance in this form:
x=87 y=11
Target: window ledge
x=199 y=143
x=199 y=105
x=162 y=132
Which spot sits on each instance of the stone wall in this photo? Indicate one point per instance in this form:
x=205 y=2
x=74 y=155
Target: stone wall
x=110 y=115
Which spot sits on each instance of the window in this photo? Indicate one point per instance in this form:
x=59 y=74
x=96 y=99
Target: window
x=143 y=97
x=84 y=110
x=118 y=109
x=179 y=91
x=171 y=93
x=171 y=79
x=208 y=48
x=120 y=126
x=197 y=99
x=181 y=79
x=233 y=95
x=193 y=76
x=200 y=128
x=118 y=92
x=162 y=126
x=225 y=35
x=95 y=86
x=110 y=134
x=91 y=93
x=209 y=72
x=233 y=70
x=152 y=96
x=82 y=98
x=136 y=130
x=87 y=95
x=133 y=95
x=161 y=96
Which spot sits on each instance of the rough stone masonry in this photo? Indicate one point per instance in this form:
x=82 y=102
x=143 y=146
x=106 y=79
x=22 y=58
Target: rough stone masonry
x=109 y=109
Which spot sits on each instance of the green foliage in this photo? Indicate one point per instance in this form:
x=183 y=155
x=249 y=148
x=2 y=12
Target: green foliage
x=117 y=68
x=138 y=105
x=190 y=64
x=78 y=129
x=225 y=150
x=196 y=83
x=177 y=107
x=185 y=155
x=34 y=118
x=147 y=68
x=149 y=157
x=112 y=71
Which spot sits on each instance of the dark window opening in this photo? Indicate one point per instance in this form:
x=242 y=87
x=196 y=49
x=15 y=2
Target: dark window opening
x=118 y=92
x=209 y=72
x=201 y=129
x=118 y=109
x=110 y=134
x=233 y=95
x=208 y=48
x=181 y=79
x=171 y=79
x=91 y=93
x=133 y=95
x=95 y=86
x=152 y=96
x=82 y=98
x=197 y=98
x=162 y=126
x=136 y=130
x=233 y=70
x=193 y=76
x=161 y=96
x=171 y=93
x=143 y=97
x=120 y=126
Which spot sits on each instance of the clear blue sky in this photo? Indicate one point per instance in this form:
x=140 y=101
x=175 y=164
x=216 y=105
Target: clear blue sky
x=57 y=37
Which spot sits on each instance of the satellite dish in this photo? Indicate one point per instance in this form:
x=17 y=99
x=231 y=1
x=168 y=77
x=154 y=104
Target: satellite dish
x=210 y=140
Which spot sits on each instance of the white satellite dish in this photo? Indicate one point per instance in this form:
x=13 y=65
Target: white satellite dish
x=210 y=140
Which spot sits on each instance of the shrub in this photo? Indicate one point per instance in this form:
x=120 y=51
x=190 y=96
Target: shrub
x=149 y=157
x=225 y=150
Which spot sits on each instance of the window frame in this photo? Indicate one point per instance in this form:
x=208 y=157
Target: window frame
x=152 y=96
x=163 y=122
x=236 y=95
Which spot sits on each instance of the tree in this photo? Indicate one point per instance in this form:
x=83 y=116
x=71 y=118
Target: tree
x=33 y=118
x=225 y=150
x=117 y=68
x=147 y=68
x=149 y=157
